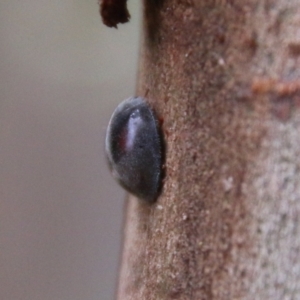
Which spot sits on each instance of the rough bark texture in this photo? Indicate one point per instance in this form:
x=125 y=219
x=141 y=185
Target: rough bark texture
x=223 y=77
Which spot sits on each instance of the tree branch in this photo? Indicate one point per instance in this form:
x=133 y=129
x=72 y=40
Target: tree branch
x=226 y=225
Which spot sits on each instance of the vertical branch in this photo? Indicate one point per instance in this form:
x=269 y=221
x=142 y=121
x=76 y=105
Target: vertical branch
x=224 y=80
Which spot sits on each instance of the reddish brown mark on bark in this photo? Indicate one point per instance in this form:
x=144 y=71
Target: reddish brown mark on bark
x=263 y=85
x=294 y=49
x=284 y=95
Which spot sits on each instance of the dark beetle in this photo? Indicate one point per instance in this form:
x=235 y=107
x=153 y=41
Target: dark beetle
x=134 y=148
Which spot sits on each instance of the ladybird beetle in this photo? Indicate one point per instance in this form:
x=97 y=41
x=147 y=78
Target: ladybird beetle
x=134 y=148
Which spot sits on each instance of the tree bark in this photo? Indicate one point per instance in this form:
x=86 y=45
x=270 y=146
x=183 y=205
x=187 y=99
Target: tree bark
x=223 y=76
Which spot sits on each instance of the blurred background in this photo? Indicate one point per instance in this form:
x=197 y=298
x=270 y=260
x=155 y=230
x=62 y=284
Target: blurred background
x=62 y=73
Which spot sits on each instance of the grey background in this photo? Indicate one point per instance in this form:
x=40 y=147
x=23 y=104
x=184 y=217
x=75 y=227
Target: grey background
x=62 y=72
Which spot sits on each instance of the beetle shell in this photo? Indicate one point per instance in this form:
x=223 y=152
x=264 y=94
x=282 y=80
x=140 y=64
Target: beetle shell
x=133 y=147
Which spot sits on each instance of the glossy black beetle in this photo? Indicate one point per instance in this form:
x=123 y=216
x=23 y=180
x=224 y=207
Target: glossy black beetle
x=134 y=148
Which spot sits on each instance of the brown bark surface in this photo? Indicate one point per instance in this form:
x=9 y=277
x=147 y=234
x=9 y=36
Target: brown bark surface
x=223 y=78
